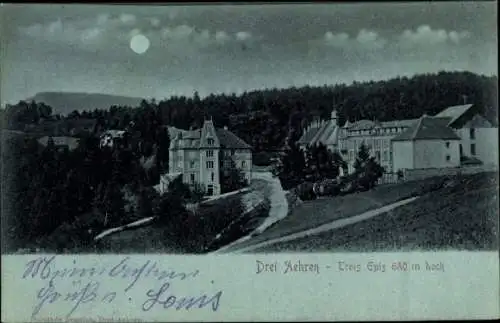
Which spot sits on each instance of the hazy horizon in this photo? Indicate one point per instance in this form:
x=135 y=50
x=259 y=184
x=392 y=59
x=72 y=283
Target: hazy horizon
x=237 y=48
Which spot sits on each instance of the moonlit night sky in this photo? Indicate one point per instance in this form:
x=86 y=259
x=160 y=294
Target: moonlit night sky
x=223 y=48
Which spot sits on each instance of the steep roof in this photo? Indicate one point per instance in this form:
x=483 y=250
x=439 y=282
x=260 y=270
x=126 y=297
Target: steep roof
x=428 y=128
x=328 y=131
x=228 y=139
x=307 y=136
x=454 y=112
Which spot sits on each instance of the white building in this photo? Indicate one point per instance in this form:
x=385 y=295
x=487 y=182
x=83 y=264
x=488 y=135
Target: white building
x=199 y=154
x=479 y=137
x=373 y=134
x=475 y=137
x=428 y=143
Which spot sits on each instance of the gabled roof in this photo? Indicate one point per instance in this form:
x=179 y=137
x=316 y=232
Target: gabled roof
x=307 y=136
x=428 y=128
x=229 y=140
x=329 y=131
x=454 y=112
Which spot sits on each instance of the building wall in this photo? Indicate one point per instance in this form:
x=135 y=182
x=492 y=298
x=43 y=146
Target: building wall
x=209 y=169
x=242 y=159
x=487 y=145
x=379 y=145
x=436 y=153
x=402 y=155
x=481 y=143
x=198 y=165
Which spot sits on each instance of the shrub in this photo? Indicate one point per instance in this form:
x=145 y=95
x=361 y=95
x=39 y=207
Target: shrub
x=305 y=191
x=262 y=158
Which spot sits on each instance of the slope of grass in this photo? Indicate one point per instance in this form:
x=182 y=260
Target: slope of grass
x=310 y=214
x=461 y=215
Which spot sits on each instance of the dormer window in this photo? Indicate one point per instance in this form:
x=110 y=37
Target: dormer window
x=210 y=141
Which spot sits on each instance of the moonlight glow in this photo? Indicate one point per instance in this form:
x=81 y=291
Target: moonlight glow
x=139 y=44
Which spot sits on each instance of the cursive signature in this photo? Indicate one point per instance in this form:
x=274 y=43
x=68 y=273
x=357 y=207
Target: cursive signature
x=161 y=297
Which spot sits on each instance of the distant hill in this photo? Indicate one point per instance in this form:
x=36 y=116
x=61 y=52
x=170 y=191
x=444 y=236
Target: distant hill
x=67 y=102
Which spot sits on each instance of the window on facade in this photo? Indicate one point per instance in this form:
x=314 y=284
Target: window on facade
x=473 y=149
x=385 y=155
x=447 y=145
x=210 y=153
x=447 y=157
x=191 y=164
x=232 y=152
x=472 y=133
x=213 y=177
x=210 y=141
x=377 y=155
x=243 y=164
x=192 y=178
x=210 y=164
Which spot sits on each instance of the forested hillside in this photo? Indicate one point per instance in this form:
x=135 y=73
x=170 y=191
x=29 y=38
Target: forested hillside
x=264 y=118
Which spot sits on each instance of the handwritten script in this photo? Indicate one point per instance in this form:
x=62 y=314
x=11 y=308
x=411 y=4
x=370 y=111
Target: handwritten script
x=72 y=287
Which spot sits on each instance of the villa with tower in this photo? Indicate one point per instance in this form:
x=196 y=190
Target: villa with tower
x=199 y=155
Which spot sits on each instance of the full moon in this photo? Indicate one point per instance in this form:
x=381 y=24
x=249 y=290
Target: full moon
x=139 y=44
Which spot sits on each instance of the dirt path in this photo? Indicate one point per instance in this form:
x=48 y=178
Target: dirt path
x=326 y=227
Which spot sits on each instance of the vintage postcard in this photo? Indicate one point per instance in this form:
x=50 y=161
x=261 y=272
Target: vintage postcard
x=249 y=162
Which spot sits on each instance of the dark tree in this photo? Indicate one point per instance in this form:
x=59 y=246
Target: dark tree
x=367 y=169
x=231 y=178
x=290 y=166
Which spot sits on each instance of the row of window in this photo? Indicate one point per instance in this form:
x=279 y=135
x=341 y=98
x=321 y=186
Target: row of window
x=208 y=153
x=193 y=179
x=369 y=142
x=367 y=132
x=210 y=164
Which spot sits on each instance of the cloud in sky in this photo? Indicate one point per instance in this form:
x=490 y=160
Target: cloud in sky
x=218 y=47
x=424 y=35
x=128 y=19
x=364 y=40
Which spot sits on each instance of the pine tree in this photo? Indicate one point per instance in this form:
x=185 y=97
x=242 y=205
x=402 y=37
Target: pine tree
x=367 y=169
x=162 y=153
x=290 y=166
